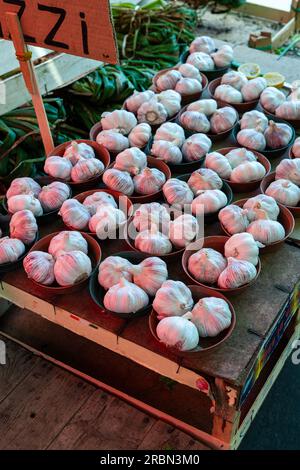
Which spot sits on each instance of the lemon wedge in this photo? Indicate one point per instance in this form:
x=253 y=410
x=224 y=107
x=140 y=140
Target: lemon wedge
x=251 y=70
x=275 y=79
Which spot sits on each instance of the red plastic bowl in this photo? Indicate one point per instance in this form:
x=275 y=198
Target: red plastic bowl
x=266 y=183
x=240 y=107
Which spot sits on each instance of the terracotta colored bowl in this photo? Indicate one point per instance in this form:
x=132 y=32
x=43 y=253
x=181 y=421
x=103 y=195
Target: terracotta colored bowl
x=216 y=243
x=98 y=292
x=251 y=186
x=240 y=107
x=8 y=267
x=266 y=183
x=205 y=344
x=295 y=123
x=285 y=218
x=94 y=254
x=210 y=74
x=100 y=152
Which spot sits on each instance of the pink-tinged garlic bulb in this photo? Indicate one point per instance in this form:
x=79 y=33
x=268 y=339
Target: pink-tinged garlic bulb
x=75 y=214
x=201 y=61
x=238 y=156
x=152 y=112
x=132 y=160
x=223 y=120
x=237 y=274
x=289 y=170
x=170 y=132
x=289 y=110
x=99 y=199
x=207 y=107
x=106 y=221
x=58 y=167
x=188 y=86
x=204 y=179
x=271 y=98
x=23 y=226
x=206 y=265
x=119 y=181
x=253 y=89
x=234 y=219
x=112 y=270
x=228 y=93
x=178 y=333
x=253 y=119
x=285 y=192
x=171 y=100
x=11 y=249
x=25 y=202
x=71 y=268
x=296 y=148
x=252 y=139
x=66 y=241
x=183 y=230
x=39 y=266
x=209 y=201
x=137 y=99
x=223 y=56
x=195 y=147
x=262 y=202
x=112 y=140
x=278 y=135
x=242 y=246
x=151 y=214
x=189 y=71
x=84 y=170
x=149 y=181
x=77 y=151
x=166 y=151
x=235 y=79
x=140 y=135
x=211 y=316
x=150 y=274
x=194 y=121
x=168 y=80
x=266 y=231
x=153 y=242
x=247 y=172
x=177 y=192
x=173 y=299
x=53 y=196
x=23 y=185
x=219 y=163
x=125 y=297
x=119 y=119
x=204 y=44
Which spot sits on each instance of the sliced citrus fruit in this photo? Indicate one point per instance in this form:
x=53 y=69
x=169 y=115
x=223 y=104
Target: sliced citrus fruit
x=275 y=79
x=251 y=70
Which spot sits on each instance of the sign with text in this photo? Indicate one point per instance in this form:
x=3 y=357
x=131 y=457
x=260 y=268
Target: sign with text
x=79 y=27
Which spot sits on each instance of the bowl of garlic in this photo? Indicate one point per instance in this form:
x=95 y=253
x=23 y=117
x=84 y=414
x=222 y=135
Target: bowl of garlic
x=242 y=169
x=62 y=262
x=226 y=264
x=284 y=186
x=80 y=163
x=295 y=149
x=190 y=319
x=277 y=103
x=268 y=222
x=126 y=283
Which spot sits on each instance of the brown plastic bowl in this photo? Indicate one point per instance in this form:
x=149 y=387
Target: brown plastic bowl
x=266 y=183
x=100 y=152
x=206 y=344
x=216 y=243
x=286 y=219
x=94 y=254
x=293 y=122
x=252 y=185
x=240 y=107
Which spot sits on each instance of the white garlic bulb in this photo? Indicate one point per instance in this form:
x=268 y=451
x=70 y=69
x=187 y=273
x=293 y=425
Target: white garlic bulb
x=86 y=169
x=150 y=275
x=67 y=241
x=171 y=100
x=23 y=185
x=289 y=170
x=278 y=135
x=266 y=231
x=112 y=270
x=211 y=316
x=223 y=56
x=113 y=140
x=209 y=201
x=178 y=333
x=234 y=219
x=78 y=151
x=201 y=61
x=151 y=214
x=10 y=250
x=140 y=135
x=194 y=121
x=119 y=181
x=23 y=226
x=149 y=181
x=168 y=80
x=99 y=199
x=296 y=148
x=228 y=94
x=262 y=202
x=207 y=107
x=188 y=86
x=223 y=120
x=204 y=178
x=71 y=268
x=203 y=44
x=289 y=110
x=153 y=242
x=171 y=132
x=166 y=151
x=24 y=202
x=119 y=119
x=235 y=79
x=177 y=192
x=152 y=112
x=189 y=71
x=247 y=172
x=253 y=89
x=183 y=230
x=285 y=192
x=237 y=274
x=242 y=246
x=206 y=265
x=125 y=297
x=271 y=98
x=132 y=160
x=75 y=214
x=295 y=93
x=253 y=119
x=106 y=221
x=52 y=196
x=252 y=138
x=237 y=156
x=137 y=99
x=174 y=298
x=58 y=167
x=217 y=162
x=195 y=147
x=39 y=266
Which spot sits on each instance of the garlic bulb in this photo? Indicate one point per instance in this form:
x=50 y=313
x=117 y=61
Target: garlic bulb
x=266 y=231
x=262 y=202
x=153 y=242
x=149 y=181
x=140 y=135
x=285 y=192
x=201 y=61
x=23 y=226
x=86 y=169
x=171 y=100
x=237 y=273
x=228 y=94
x=177 y=192
x=209 y=201
x=296 y=148
x=119 y=119
x=253 y=89
x=152 y=112
x=295 y=93
x=125 y=297
x=206 y=265
x=151 y=214
x=171 y=132
x=112 y=270
x=204 y=179
x=223 y=120
x=178 y=333
x=39 y=266
x=99 y=199
x=238 y=156
x=67 y=241
x=194 y=121
x=166 y=151
x=271 y=98
x=74 y=214
x=72 y=267
x=207 y=107
x=289 y=170
x=189 y=71
x=119 y=181
x=248 y=171
x=254 y=119
x=217 y=162
x=150 y=275
x=24 y=202
x=168 y=80
x=223 y=57
x=132 y=160
x=188 y=86
x=203 y=44
x=174 y=298
x=235 y=79
x=234 y=219
x=58 y=167
x=137 y=99
x=77 y=151
x=52 y=196
x=106 y=222
x=211 y=316
x=252 y=138
x=278 y=135
x=242 y=246
x=10 y=250
x=23 y=185
x=289 y=110
x=113 y=140
x=183 y=230
x=195 y=147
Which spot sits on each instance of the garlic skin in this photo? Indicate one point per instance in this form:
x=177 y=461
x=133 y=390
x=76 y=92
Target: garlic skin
x=99 y=199
x=71 y=268
x=58 y=167
x=289 y=170
x=177 y=192
x=119 y=119
x=125 y=297
x=39 y=266
x=228 y=94
x=150 y=275
x=106 y=221
x=149 y=181
x=266 y=231
x=204 y=179
x=189 y=71
x=201 y=61
x=188 y=86
x=168 y=80
x=178 y=333
x=203 y=44
x=238 y=156
x=152 y=112
x=206 y=265
x=119 y=181
x=289 y=110
x=252 y=138
x=296 y=148
x=277 y=135
x=170 y=132
x=242 y=246
x=23 y=185
x=248 y=171
x=285 y=192
x=209 y=201
x=271 y=98
x=223 y=120
x=234 y=219
x=174 y=298
x=253 y=119
x=10 y=250
x=78 y=151
x=24 y=202
x=237 y=273
x=207 y=107
x=153 y=242
x=166 y=151
x=235 y=79
x=223 y=57
x=74 y=214
x=151 y=214
x=194 y=121
x=112 y=270
x=53 y=196
x=67 y=241
x=253 y=89
x=132 y=160
x=217 y=162
x=137 y=99
x=295 y=93
x=195 y=147
x=171 y=100
x=183 y=230
x=211 y=316
x=262 y=202
x=140 y=135
x=86 y=169
x=112 y=140
x=23 y=226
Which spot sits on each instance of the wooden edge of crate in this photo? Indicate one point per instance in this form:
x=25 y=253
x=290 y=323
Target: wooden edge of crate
x=263 y=11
